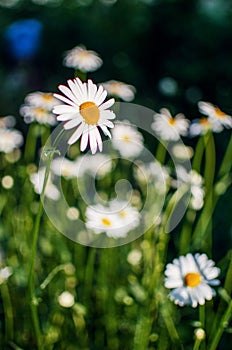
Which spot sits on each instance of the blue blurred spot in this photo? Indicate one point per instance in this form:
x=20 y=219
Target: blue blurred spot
x=23 y=38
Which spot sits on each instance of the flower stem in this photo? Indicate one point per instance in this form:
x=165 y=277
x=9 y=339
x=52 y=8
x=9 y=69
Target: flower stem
x=161 y=153
x=8 y=313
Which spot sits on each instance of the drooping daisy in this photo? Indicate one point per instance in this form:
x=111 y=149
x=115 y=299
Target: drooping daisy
x=10 y=139
x=203 y=125
x=81 y=58
x=190 y=277
x=170 y=128
x=44 y=100
x=215 y=113
x=85 y=111
x=38 y=114
x=195 y=183
x=37 y=179
x=119 y=89
x=127 y=139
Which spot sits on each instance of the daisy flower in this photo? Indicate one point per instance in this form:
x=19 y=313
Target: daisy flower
x=7 y=122
x=65 y=167
x=127 y=216
x=203 y=125
x=215 y=113
x=44 y=100
x=66 y=299
x=81 y=58
x=85 y=111
x=38 y=114
x=37 y=179
x=10 y=139
x=127 y=139
x=168 y=127
x=98 y=166
x=119 y=89
x=190 y=277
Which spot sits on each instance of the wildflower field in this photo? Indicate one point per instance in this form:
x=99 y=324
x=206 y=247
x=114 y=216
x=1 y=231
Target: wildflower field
x=115 y=175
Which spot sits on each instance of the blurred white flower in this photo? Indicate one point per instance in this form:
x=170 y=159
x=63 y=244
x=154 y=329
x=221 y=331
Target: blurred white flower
x=203 y=125
x=215 y=113
x=195 y=183
x=7 y=122
x=98 y=166
x=119 y=89
x=170 y=128
x=85 y=111
x=81 y=58
x=65 y=167
x=190 y=277
x=182 y=152
x=44 y=100
x=134 y=257
x=38 y=114
x=7 y=182
x=10 y=139
x=127 y=139
x=66 y=299
x=5 y=273
x=37 y=179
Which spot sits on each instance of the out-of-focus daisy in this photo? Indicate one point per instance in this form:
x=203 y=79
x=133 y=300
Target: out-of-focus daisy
x=98 y=166
x=182 y=152
x=203 y=125
x=170 y=128
x=5 y=273
x=65 y=167
x=81 y=58
x=116 y=220
x=85 y=111
x=127 y=139
x=44 y=100
x=10 y=139
x=119 y=89
x=66 y=299
x=134 y=257
x=215 y=113
x=38 y=114
x=190 y=277
x=37 y=179
x=195 y=183
x=7 y=122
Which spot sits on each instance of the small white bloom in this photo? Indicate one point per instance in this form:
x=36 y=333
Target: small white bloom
x=119 y=89
x=85 y=111
x=7 y=182
x=134 y=257
x=10 y=139
x=5 y=273
x=182 y=152
x=7 y=122
x=44 y=100
x=168 y=127
x=66 y=299
x=81 y=58
x=190 y=277
x=37 y=179
x=203 y=125
x=127 y=139
x=65 y=167
x=38 y=114
x=128 y=217
x=72 y=213
x=97 y=166
x=215 y=113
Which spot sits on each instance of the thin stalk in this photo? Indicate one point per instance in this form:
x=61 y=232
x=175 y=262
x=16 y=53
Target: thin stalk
x=210 y=161
x=199 y=151
x=197 y=344
x=51 y=275
x=30 y=145
x=226 y=162
x=161 y=153
x=8 y=313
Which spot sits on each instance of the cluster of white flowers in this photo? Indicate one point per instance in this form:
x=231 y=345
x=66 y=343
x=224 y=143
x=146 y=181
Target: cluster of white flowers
x=37 y=179
x=116 y=219
x=38 y=107
x=10 y=138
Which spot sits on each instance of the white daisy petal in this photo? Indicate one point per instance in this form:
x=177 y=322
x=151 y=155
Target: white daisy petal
x=72 y=123
x=92 y=141
x=76 y=135
x=85 y=138
x=64 y=99
x=107 y=104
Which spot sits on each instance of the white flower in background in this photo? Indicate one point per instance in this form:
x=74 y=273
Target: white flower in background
x=65 y=167
x=7 y=122
x=134 y=257
x=182 y=152
x=10 y=139
x=119 y=89
x=203 y=125
x=98 y=166
x=190 y=277
x=44 y=100
x=81 y=58
x=37 y=179
x=152 y=172
x=127 y=139
x=195 y=182
x=7 y=182
x=5 y=273
x=215 y=113
x=37 y=114
x=66 y=299
x=85 y=111
x=170 y=128
x=116 y=220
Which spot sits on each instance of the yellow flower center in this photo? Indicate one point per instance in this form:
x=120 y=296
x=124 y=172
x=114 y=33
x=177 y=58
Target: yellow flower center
x=172 y=121
x=192 y=279
x=126 y=138
x=106 y=222
x=90 y=112
x=122 y=214
x=219 y=113
x=48 y=97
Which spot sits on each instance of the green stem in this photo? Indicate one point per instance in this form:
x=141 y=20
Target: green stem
x=197 y=344
x=226 y=162
x=8 y=312
x=199 y=151
x=51 y=275
x=220 y=329
x=161 y=153
x=30 y=145
x=210 y=161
